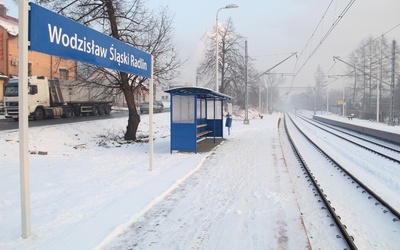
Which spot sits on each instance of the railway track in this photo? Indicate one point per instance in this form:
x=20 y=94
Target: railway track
x=367 y=200
x=384 y=149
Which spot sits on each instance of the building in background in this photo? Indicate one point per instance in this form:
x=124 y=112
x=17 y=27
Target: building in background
x=39 y=63
x=160 y=95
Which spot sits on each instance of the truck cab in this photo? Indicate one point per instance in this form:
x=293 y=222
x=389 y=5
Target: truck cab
x=38 y=97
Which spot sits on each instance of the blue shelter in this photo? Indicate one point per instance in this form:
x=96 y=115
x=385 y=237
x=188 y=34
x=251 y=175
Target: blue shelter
x=196 y=113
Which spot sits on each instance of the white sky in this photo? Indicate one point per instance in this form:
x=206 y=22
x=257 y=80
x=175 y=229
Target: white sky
x=282 y=27
x=278 y=28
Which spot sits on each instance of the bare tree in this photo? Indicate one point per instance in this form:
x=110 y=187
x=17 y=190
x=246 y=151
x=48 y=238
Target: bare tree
x=232 y=67
x=130 y=22
x=371 y=65
x=319 y=86
x=230 y=59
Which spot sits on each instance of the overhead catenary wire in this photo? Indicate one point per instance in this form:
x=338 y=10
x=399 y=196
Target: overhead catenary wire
x=335 y=23
x=333 y=26
x=308 y=42
x=316 y=28
x=277 y=54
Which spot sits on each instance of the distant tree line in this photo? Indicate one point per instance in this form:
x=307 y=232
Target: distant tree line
x=373 y=71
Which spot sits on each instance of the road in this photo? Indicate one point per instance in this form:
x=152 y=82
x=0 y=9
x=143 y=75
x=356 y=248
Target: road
x=9 y=124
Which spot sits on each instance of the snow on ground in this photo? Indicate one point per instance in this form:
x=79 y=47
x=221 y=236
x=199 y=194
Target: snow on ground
x=90 y=190
x=241 y=198
x=89 y=187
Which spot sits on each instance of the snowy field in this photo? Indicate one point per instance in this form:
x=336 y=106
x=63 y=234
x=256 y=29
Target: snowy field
x=89 y=187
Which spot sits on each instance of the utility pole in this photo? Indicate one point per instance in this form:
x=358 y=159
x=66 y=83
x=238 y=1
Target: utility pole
x=392 y=82
x=315 y=100
x=259 y=98
x=246 y=114
x=327 y=99
x=344 y=101
x=378 y=88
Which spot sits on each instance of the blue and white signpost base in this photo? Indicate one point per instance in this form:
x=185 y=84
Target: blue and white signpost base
x=45 y=31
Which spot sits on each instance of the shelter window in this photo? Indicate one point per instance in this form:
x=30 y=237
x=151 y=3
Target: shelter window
x=201 y=109
x=183 y=109
x=210 y=109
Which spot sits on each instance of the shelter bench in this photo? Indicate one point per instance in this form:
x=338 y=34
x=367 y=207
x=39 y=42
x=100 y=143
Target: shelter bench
x=350 y=117
x=203 y=133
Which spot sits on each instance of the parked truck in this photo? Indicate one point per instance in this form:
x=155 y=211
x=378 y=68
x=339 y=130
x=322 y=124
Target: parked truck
x=48 y=98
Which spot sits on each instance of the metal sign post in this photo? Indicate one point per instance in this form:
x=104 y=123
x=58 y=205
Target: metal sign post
x=151 y=114
x=23 y=119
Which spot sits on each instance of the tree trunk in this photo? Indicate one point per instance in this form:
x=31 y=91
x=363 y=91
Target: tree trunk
x=133 y=124
x=134 y=118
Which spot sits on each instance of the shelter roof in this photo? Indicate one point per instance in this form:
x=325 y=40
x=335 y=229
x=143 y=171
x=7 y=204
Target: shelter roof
x=203 y=93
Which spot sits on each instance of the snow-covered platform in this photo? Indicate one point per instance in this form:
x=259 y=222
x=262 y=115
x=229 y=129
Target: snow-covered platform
x=377 y=130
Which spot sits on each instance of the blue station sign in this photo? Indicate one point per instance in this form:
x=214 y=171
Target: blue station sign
x=54 y=34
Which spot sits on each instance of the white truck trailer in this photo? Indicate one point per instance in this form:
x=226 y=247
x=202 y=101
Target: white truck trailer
x=50 y=98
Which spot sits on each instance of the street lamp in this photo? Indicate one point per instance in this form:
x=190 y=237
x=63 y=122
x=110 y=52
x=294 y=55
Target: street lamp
x=229 y=6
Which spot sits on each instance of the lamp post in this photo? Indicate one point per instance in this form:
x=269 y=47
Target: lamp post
x=246 y=114
x=229 y=6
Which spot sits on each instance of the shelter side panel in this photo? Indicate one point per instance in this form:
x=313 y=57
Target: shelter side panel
x=183 y=136
x=217 y=127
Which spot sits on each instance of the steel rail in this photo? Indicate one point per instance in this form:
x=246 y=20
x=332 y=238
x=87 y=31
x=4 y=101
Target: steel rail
x=360 y=183
x=349 y=240
x=358 y=144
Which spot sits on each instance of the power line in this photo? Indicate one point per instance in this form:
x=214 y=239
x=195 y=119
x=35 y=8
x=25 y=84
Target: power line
x=322 y=40
x=320 y=21
x=338 y=19
x=282 y=54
